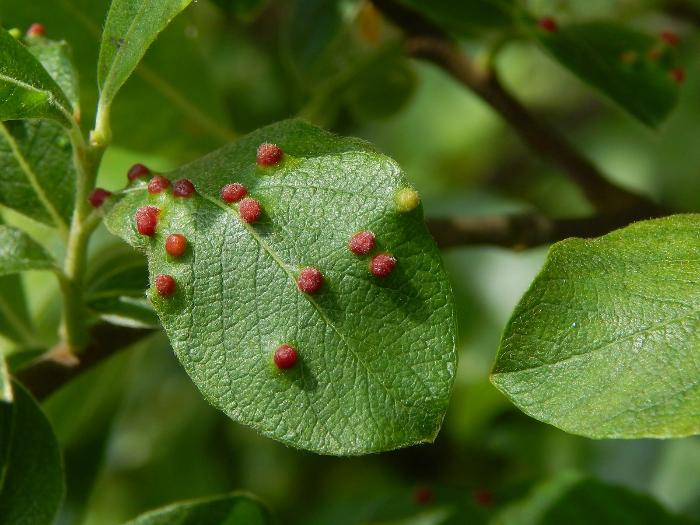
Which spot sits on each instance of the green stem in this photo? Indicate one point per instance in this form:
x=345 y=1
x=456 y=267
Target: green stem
x=87 y=160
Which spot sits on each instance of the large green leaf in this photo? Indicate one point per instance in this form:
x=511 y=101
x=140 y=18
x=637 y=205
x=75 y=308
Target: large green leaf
x=616 y=60
x=31 y=470
x=377 y=357
x=575 y=500
x=27 y=91
x=19 y=252
x=236 y=509
x=131 y=27
x=606 y=340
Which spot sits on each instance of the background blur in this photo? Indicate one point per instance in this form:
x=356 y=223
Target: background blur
x=135 y=431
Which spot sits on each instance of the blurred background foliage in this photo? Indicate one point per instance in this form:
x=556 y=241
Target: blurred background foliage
x=136 y=433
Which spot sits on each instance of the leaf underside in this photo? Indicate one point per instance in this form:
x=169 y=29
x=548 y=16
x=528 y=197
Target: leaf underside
x=19 y=252
x=606 y=341
x=377 y=356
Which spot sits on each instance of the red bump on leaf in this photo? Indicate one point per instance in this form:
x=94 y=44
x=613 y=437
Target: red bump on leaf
x=269 y=154
x=183 y=188
x=548 y=24
x=382 y=265
x=285 y=357
x=249 y=209
x=670 y=38
x=310 y=280
x=362 y=242
x=165 y=285
x=423 y=495
x=176 y=244
x=147 y=220
x=36 y=29
x=483 y=497
x=678 y=74
x=98 y=196
x=137 y=170
x=233 y=192
x=157 y=184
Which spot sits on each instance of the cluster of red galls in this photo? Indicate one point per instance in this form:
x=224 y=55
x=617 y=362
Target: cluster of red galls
x=310 y=279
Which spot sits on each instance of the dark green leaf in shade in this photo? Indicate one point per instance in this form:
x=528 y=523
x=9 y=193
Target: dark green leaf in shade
x=628 y=66
x=467 y=17
x=31 y=484
x=27 y=91
x=377 y=356
x=236 y=509
x=605 y=342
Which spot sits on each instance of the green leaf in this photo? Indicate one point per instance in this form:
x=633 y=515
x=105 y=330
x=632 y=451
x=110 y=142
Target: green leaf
x=377 y=357
x=236 y=509
x=605 y=341
x=31 y=484
x=616 y=61
x=19 y=252
x=5 y=392
x=57 y=59
x=131 y=27
x=467 y=18
x=575 y=500
x=36 y=171
x=27 y=91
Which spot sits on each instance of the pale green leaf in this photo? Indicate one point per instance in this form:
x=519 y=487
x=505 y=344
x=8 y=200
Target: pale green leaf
x=605 y=343
x=31 y=469
x=19 y=252
x=236 y=509
x=57 y=59
x=27 y=91
x=131 y=27
x=377 y=357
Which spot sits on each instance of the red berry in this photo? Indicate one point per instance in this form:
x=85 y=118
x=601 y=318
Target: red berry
x=183 y=188
x=137 y=170
x=233 y=192
x=423 y=495
x=548 y=24
x=165 y=285
x=285 y=356
x=269 y=154
x=36 y=29
x=176 y=244
x=483 y=497
x=249 y=210
x=361 y=243
x=678 y=74
x=310 y=280
x=382 y=265
x=670 y=38
x=98 y=196
x=147 y=220
x=157 y=184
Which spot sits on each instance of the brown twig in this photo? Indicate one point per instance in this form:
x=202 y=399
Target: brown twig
x=522 y=231
x=58 y=366
x=426 y=42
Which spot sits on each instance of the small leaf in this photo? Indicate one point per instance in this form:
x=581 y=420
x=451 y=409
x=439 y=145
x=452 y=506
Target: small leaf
x=376 y=356
x=32 y=486
x=236 y=509
x=131 y=27
x=605 y=342
x=619 y=62
x=27 y=91
x=5 y=390
x=467 y=18
x=19 y=252
x=575 y=500
x=57 y=59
